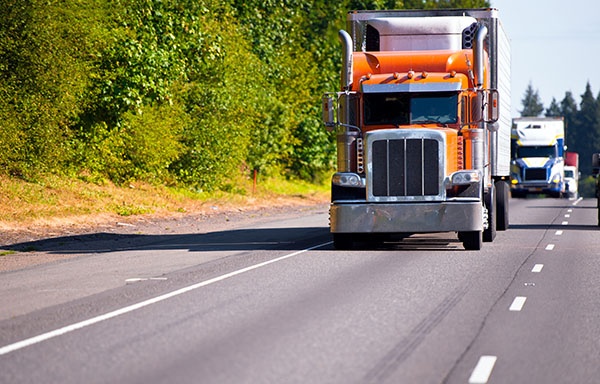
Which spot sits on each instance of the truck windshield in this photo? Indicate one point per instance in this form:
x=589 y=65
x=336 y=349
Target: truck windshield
x=536 y=151
x=410 y=108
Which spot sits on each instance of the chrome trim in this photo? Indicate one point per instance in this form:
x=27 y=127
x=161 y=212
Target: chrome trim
x=406 y=134
x=347 y=70
x=411 y=87
x=478 y=54
x=407 y=218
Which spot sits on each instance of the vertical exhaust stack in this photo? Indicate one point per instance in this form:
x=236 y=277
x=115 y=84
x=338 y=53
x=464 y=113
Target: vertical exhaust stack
x=345 y=137
x=478 y=54
x=346 y=60
x=477 y=136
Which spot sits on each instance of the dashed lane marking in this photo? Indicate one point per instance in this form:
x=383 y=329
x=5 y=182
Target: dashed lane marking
x=517 y=304
x=483 y=370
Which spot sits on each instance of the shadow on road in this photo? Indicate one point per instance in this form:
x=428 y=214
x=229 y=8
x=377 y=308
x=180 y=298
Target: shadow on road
x=231 y=240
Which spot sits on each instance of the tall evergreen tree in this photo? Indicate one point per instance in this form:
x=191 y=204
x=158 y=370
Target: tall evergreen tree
x=569 y=110
x=588 y=131
x=532 y=105
x=554 y=109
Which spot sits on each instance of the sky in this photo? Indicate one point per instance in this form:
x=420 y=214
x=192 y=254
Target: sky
x=555 y=46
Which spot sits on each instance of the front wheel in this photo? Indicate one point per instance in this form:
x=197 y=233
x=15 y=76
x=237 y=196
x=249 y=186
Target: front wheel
x=472 y=240
x=489 y=234
x=502 y=193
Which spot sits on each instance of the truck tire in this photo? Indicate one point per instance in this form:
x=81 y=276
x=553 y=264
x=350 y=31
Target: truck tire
x=598 y=211
x=502 y=192
x=489 y=199
x=472 y=241
x=342 y=241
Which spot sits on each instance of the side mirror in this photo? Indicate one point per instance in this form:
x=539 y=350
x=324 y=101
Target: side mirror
x=486 y=106
x=328 y=112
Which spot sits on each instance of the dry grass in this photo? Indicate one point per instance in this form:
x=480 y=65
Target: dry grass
x=54 y=201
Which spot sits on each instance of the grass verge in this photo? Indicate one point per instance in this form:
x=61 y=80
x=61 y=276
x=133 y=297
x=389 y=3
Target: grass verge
x=53 y=200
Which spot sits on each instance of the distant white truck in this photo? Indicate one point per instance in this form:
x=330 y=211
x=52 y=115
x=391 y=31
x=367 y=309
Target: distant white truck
x=538 y=150
x=571 y=180
x=571 y=174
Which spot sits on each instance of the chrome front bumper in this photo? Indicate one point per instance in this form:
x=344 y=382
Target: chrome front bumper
x=406 y=217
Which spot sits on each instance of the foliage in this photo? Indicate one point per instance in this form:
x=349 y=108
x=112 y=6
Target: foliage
x=190 y=93
x=582 y=125
x=532 y=104
x=43 y=80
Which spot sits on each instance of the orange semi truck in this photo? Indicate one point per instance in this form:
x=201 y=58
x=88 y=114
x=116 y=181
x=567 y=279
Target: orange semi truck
x=423 y=141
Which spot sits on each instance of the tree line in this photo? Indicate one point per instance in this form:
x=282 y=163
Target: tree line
x=180 y=92
x=582 y=121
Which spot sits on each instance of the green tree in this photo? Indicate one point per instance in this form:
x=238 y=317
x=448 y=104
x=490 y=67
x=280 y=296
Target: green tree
x=532 y=105
x=554 y=109
x=569 y=110
x=416 y=4
x=45 y=63
x=588 y=128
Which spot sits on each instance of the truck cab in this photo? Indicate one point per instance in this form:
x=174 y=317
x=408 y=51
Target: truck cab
x=538 y=156
x=422 y=140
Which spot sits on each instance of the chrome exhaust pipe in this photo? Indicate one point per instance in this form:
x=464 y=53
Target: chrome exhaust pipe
x=346 y=60
x=478 y=54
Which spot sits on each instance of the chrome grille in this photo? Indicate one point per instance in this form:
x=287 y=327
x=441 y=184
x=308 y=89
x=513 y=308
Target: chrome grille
x=405 y=167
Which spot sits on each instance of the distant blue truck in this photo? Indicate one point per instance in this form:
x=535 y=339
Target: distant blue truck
x=538 y=156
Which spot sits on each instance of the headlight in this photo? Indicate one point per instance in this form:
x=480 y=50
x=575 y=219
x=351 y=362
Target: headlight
x=347 y=179
x=465 y=177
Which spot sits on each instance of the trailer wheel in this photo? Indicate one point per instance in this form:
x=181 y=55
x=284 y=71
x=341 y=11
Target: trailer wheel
x=489 y=234
x=502 y=192
x=342 y=241
x=472 y=241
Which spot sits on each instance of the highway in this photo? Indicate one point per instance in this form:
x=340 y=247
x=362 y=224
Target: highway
x=271 y=301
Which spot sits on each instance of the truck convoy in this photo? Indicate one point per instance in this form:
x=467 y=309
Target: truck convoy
x=423 y=141
x=538 y=145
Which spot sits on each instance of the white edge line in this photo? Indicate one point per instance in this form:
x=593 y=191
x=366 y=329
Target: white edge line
x=483 y=370
x=70 y=328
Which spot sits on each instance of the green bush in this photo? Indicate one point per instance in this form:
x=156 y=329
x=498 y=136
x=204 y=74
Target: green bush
x=187 y=92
